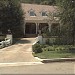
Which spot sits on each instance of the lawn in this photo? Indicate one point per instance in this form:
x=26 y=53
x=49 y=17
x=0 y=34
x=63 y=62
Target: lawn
x=55 y=51
x=53 y=54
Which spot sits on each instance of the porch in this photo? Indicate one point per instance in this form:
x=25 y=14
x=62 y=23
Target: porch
x=32 y=29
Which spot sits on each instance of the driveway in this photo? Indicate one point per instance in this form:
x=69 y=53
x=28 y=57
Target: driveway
x=19 y=52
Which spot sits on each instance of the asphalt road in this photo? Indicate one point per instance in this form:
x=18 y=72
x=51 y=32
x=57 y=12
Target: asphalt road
x=50 y=68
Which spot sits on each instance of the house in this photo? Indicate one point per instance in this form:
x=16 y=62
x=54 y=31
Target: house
x=36 y=18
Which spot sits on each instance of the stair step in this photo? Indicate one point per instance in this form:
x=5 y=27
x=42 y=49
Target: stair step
x=30 y=35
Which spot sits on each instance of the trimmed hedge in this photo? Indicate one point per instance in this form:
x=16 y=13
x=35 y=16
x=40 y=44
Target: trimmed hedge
x=37 y=48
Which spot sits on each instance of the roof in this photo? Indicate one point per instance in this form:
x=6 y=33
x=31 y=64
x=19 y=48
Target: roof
x=37 y=8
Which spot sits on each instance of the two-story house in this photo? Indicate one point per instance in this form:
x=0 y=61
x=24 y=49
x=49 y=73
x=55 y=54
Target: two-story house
x=36 y=18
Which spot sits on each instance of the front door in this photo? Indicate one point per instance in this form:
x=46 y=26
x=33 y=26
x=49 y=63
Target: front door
x=30 y=28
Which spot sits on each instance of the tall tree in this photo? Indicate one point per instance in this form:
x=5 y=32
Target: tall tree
x=67 y=17
x=44 y=2
x=12 y=16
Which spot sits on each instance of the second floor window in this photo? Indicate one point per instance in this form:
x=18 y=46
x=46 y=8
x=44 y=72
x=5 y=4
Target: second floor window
x=44 y=14
x=32 y=13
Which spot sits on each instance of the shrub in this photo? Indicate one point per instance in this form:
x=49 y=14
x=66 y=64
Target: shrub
x=72 y=49
x=49 y=48
x=47 y=41
x=57 y=41
x=37 y=48
x=62 y=49
x=44 y=46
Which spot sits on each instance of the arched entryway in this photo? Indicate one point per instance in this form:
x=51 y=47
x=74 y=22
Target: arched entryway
x=43 y=25
x=30 y=29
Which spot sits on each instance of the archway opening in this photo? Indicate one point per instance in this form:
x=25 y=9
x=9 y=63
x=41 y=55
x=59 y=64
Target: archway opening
x=30 y=28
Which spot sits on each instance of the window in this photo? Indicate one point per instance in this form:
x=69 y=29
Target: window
x=44 y=14
x=32 y=13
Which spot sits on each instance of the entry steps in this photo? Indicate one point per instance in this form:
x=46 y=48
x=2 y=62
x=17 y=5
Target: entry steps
x=30 y=35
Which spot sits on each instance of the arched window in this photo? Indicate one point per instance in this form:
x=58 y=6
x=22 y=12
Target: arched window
x=32 y=12
x=44 y=13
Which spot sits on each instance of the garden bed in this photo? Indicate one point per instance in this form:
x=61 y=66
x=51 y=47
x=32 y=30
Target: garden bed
x=49 y=52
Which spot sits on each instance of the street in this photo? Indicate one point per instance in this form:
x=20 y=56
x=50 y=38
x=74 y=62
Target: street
x=51 y=68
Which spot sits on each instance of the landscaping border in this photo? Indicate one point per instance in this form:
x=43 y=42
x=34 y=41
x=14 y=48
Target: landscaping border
x=55 y=60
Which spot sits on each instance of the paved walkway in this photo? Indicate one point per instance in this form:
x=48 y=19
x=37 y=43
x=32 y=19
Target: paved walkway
x=19 y=52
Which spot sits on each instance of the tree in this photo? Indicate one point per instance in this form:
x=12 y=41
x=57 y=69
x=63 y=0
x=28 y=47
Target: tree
x=48 y=2
x=52 y=2
x=44 y=2
x=2 y=12
x=11 y=16
x=67 y=17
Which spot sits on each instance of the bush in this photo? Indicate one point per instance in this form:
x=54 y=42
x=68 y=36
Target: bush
x=53 y=41
x=47 y=42
x=37 y=48
x=72 y=49
x=50 y=48
x=56 y=48
x=62 y=49
x=44 y=46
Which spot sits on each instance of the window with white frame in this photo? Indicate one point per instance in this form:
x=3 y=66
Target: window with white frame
x=32 y=13
x=44 y=13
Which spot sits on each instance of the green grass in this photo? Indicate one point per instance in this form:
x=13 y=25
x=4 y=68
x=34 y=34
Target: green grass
x=53 y=54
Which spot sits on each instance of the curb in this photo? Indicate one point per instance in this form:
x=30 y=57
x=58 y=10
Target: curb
x=19 y=64
x=58 y=60
x=55 y=60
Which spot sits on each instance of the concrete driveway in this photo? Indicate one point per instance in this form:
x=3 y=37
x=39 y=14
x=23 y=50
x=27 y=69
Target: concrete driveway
x=19 y=52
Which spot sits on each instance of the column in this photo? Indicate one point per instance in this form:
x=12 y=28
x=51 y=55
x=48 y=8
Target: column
x=49 y=27
x=9 y=36
x=37 y=27
x=24 y=28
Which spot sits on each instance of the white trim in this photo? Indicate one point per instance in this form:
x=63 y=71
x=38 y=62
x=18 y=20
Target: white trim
x=32 y=16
